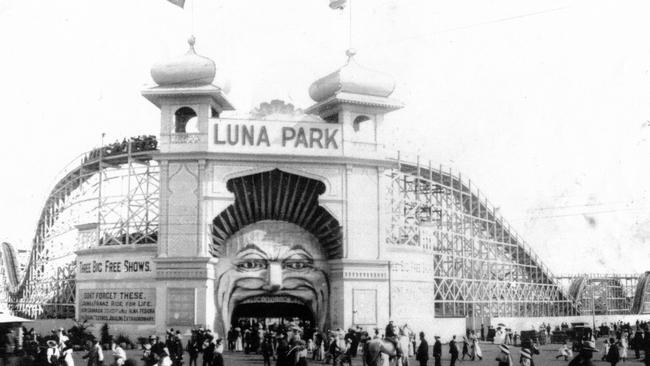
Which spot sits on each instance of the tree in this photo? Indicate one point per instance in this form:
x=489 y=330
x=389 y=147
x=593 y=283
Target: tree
x=105 y=337
x=79 y=333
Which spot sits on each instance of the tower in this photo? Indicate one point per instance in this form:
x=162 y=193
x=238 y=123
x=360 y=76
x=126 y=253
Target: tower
x=188 y=99
x=357 y=98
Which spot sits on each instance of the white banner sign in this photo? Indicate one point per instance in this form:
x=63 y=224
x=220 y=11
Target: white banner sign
x=118 y=305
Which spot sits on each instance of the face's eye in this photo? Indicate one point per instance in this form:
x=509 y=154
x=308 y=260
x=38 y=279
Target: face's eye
x=251 y=265
x=295 y=265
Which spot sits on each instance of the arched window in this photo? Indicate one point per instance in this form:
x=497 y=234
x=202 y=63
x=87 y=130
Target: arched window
x=357 y=122
x=185 y=120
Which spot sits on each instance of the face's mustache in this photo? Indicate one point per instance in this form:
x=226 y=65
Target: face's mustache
x=246 y=287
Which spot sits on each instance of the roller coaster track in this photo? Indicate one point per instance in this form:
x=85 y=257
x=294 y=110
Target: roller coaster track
x=420 y=193
x=10 y=263
x=73 y=176
x=428 y=188
x=641 y=304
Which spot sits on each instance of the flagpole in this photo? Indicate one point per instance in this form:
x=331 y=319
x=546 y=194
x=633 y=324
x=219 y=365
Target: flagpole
x=192 y=16
x=350 y=25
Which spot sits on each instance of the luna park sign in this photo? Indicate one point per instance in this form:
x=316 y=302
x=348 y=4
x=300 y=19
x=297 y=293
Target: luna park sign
x=308 y=138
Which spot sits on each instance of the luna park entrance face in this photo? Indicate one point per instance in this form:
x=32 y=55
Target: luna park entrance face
x=272 y=271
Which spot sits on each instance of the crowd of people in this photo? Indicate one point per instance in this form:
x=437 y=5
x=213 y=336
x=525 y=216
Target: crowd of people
x=295 y=343
x=135 y=144
x=298 y=343
x=619 y=338
x=56 y=349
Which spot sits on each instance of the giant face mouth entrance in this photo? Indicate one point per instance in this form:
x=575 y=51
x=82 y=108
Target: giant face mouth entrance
x=271 y=309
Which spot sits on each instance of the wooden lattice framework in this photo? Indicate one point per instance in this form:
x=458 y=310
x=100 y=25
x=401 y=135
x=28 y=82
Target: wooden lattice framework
x=482 y=268
x=101 y=200
x=608 y=293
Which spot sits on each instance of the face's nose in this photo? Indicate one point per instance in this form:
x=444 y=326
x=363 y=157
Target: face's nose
x=274 y=281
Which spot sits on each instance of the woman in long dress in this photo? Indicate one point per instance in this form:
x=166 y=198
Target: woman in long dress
x=66 y=353
x=238 y=341
x=476 y=349
x=623 y=347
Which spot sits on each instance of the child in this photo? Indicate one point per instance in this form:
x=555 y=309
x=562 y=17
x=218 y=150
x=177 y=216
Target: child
x=605 y=349
x=465 y=349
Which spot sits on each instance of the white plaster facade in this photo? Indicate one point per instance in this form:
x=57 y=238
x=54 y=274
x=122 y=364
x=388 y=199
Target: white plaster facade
x=369 y=284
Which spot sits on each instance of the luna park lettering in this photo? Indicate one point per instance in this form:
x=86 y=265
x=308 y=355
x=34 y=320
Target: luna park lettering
x=243 y=135
x=108 y=266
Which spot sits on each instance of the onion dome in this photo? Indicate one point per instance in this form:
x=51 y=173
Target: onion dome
x=188 y=69
x=354 y=79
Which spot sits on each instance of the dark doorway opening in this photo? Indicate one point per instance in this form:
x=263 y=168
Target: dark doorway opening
x=271 y=313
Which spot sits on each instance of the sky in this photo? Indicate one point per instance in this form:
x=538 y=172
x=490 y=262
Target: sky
x=544 y=105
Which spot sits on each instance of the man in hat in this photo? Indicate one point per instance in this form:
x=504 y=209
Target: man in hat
x=193 y=347
x=208 y=349
x=332 y=348
x=349 y=338
x=267 y=350
x=356 y=340
x=586 y=354
x=53 y=352
x=95 y=355
x=176 y=348
x=612 y=353
x=169 y=340
x=230 y=337
x=453 y=351
x=282 y=351
x=200 y=335
x=422 y=353
x=637 y=342
x=148 y=357
x=157 y=348
x=437 y=351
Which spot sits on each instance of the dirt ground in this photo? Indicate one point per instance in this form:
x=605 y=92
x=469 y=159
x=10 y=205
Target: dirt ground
x=546 y=357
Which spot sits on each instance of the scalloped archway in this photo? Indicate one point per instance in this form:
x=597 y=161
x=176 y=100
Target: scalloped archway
x=281 y=196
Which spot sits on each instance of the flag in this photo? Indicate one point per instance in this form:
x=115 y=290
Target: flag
x=337 y=4
x=180 y=3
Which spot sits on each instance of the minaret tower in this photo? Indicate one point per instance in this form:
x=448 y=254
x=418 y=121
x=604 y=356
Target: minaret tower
x=187 y=98
x=357 y=98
